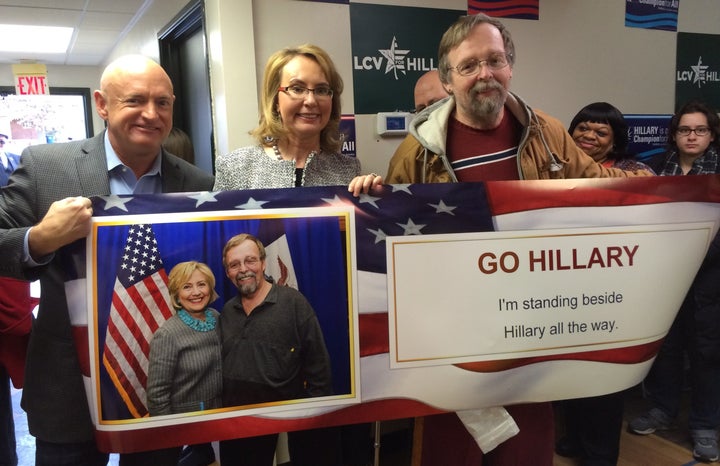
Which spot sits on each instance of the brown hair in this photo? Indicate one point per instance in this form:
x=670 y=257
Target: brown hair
x=271 y=127
x=178 y=143
x=459 y=31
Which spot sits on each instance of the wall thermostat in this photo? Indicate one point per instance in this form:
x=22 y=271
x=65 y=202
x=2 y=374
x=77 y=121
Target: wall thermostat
x=393 y=123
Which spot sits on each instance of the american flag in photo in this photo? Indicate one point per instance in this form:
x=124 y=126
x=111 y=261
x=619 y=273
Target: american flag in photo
x=140 y=305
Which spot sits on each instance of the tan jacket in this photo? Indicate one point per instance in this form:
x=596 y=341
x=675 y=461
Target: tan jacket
x=546 y=150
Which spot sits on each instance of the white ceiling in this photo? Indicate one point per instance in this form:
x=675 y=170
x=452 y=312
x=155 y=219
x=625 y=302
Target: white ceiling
x=98 y=26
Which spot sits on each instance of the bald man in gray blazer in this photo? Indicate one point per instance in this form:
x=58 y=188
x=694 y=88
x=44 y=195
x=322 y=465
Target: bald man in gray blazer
x=46 y=208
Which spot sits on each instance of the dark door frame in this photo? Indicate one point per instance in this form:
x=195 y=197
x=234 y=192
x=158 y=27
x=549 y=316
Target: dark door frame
x=189 y=21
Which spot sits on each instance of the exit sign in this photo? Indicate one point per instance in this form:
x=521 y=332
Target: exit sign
x=31 y=79
x=31 y=84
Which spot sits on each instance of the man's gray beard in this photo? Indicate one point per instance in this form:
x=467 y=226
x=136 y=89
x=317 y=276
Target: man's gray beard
x=487 y=109
x=247 y=288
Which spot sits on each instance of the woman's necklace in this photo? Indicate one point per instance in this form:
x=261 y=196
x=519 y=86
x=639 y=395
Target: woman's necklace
x=299 y=171
x=276 y=149
x=196 y=324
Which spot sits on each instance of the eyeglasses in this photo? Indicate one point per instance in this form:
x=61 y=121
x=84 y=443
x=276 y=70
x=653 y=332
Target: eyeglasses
x=699 y=131
x=472 y=67
x=299 y=92
x=249 y=262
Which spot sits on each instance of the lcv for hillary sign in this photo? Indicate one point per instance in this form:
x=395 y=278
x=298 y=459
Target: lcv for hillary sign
x=507 y=292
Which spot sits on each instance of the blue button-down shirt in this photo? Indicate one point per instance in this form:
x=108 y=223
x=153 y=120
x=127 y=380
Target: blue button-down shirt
x=122 y=181
x=122 y=178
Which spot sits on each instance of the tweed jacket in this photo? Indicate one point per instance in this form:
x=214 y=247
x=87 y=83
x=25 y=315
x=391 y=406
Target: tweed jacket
x=185 y=372
x=54 y=394
x=250 y=168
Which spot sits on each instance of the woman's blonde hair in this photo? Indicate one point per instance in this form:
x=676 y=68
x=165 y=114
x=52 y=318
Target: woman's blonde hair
x=271 y=128
x=180 y=274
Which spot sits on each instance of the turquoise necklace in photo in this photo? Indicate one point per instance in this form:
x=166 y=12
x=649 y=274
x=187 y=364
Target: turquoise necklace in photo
x=196 y=324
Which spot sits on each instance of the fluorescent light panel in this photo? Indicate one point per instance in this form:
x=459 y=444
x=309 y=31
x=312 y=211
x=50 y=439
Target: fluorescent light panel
x=37 y=39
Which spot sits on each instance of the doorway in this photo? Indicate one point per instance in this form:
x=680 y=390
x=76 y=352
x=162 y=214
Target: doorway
x=183 y=54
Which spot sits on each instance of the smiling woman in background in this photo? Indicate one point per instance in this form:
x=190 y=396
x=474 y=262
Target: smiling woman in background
x=600 y=130
x=593 y=425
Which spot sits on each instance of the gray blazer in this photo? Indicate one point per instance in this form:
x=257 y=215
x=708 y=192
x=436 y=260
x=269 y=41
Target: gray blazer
x=54 y=395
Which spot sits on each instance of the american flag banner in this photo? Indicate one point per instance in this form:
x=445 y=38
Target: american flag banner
x=475 y=356
x=140 y=305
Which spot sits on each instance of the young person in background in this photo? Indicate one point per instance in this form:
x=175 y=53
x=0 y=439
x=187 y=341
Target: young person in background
x=695 y=332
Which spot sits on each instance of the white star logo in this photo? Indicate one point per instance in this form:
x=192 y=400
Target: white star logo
x=251 y=204
x=442 y=208
x=699 y=70
x=203 y=197
x=410 y=228
x=395 y=58
x=116 y=201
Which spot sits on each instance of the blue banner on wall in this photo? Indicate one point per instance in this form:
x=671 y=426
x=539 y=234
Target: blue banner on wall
x=647 y=134
x=660 y=14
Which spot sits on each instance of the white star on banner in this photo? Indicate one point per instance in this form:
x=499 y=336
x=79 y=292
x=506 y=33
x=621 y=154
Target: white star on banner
x=335 y=201
x=379 y=234
x=251 y=204
x=401 y=187
x=368 y=199
x=116 y=201
x=203 y=197
x=442 y=208
x=410 y=228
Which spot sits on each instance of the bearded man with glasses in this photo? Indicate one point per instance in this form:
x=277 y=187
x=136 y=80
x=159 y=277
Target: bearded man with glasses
x=484 y=132
x=273 y=349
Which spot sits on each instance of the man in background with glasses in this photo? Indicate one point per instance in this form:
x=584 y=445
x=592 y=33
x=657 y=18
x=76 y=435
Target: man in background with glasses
x=485 y=133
